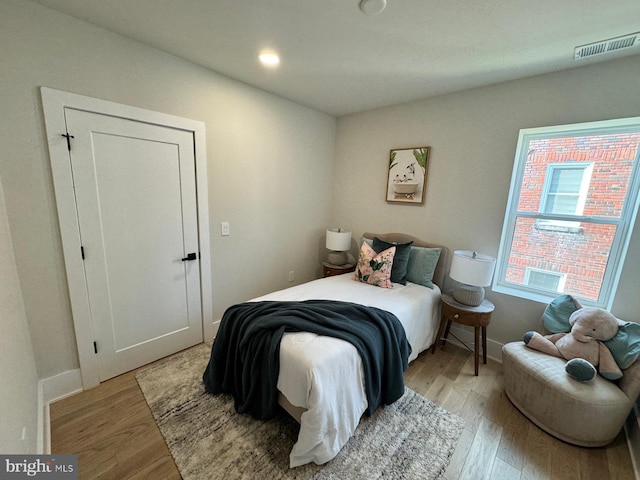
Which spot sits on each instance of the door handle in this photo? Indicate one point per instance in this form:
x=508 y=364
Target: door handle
x=189 y=257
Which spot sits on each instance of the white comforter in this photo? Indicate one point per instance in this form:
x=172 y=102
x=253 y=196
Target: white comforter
x=324 y=375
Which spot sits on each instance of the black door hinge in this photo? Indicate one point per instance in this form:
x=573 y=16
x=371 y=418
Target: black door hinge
x=95 y=347
x=68 y=137
x=82 y=251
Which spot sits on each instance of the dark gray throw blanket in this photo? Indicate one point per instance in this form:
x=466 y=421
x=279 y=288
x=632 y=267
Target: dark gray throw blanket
x=245 y=357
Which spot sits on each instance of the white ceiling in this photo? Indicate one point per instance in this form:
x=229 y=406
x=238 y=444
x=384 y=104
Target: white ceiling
x=338 y=60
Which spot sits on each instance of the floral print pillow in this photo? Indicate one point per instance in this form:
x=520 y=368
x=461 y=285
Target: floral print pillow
x=375 y=268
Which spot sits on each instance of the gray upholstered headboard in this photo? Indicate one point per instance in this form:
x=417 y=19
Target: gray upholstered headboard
x=440 y=273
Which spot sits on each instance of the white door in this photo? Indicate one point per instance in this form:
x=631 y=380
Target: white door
x=135 y=189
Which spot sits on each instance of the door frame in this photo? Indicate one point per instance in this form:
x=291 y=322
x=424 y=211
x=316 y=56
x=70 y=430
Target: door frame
x=54 y=103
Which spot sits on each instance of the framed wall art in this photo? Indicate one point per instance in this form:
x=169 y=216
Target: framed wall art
x=407 y=181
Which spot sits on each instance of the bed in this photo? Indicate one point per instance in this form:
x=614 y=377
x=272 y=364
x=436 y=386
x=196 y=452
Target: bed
x=320 y=381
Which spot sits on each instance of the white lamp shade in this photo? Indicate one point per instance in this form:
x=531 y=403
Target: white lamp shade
x=472 y=268
x=338 y=240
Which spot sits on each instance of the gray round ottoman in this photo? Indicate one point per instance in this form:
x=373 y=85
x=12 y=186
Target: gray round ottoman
x=585 y=414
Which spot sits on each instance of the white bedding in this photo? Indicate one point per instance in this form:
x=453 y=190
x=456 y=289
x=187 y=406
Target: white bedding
x=324 y=375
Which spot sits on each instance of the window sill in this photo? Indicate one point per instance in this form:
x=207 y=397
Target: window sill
x=540 y=297
x=516 y=292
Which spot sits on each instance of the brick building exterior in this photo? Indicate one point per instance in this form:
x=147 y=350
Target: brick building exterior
x=575 y=252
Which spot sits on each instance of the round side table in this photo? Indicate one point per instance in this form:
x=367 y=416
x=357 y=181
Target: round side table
x=476 y=317
x=328 y=269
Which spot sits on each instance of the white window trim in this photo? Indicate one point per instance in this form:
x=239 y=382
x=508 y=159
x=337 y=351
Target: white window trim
x=624 y=224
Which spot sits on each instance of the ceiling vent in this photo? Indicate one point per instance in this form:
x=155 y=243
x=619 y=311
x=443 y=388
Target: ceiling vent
x=607 y=46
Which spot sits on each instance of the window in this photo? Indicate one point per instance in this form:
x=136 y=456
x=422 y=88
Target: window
x=564 y=193
x=570 y=213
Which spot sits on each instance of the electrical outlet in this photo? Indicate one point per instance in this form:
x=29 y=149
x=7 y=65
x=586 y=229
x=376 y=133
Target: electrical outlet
x=225 y=229
x=292 y=275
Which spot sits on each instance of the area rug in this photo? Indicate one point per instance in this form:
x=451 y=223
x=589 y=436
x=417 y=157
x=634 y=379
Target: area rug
x=410 y=439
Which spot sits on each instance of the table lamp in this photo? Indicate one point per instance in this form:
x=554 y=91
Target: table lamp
x=471 y=271
x=338 y=243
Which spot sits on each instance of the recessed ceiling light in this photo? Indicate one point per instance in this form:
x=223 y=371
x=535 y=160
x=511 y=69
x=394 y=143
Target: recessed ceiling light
x=269 y=59
x=372 y=7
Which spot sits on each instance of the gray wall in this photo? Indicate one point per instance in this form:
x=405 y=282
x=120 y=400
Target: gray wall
x=270 y=163
x=473 y=135
x=18 y=377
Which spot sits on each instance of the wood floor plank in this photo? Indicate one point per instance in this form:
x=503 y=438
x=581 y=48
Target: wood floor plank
x=457 y=359
x=460 y=454
x=564 y=461
x=163 y=467
x=482 y=453
x=618 y=459
x=455 y=400
x=537 y=454
x=418 y=378
x=473 y=410
x=513 y=441
x=112 y=430
x=491 y=379
x=439 y=390
x=593 y=464
x=503 y=471
x=495 y=408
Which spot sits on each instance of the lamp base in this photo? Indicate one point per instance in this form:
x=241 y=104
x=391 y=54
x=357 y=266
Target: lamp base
x=337 y=258
x=468 y=294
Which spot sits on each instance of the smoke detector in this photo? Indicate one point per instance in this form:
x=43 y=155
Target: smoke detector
x=607 y=46
x=372 y=7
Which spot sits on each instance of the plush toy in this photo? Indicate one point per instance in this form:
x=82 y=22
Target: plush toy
x=582 y=346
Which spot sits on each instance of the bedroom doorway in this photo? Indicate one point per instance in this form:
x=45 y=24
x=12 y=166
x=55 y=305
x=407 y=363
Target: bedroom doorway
x=138 y=289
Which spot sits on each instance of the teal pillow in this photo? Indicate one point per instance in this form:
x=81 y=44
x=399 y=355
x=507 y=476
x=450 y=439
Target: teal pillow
x=556 y=316
x=368 y=241
x=422 y=265
x=400 y=260
x=625 y=346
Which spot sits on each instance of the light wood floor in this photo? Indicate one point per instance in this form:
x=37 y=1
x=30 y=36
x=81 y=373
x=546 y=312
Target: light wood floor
x=112 y=430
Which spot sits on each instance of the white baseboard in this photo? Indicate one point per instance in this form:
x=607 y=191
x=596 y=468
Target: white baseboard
x=214 y=331
x=49 y=390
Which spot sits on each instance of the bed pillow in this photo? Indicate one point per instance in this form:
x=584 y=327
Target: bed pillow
x=400 y=259
x=375 y=268
x=555 y=317
x=422 y=265
x=625 y=346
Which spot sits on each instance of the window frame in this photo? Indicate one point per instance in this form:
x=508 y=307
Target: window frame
x=624 y=224
x=560 y=225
